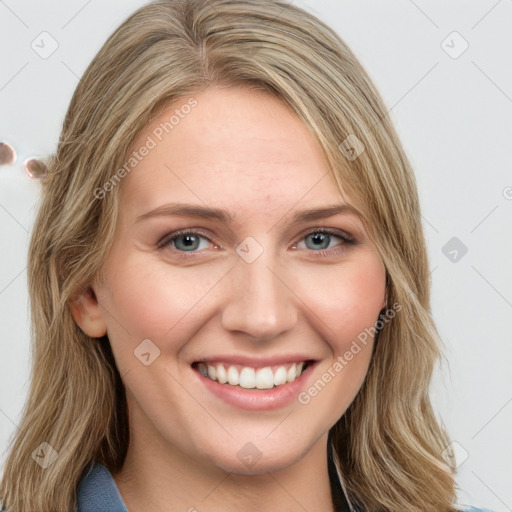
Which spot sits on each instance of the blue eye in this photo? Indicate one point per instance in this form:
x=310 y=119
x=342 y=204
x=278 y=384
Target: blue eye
x=317 y=241
x=320 y=240
x=187 y=242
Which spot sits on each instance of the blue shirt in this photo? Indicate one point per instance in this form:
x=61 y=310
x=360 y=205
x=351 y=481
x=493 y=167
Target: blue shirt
x=98 y=492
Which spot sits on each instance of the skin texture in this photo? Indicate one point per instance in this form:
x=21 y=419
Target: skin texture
x=248 y=153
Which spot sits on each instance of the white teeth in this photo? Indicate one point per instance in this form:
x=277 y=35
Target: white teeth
x=292 y=371
x=222 y=376
x=280 y=376
x=233 y=377
x=247 y=378
x=264 y=378
x=250 y=378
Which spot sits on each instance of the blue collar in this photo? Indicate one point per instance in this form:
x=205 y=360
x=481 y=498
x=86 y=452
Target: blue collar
x=98 y=492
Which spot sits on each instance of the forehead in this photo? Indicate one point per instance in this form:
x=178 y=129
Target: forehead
x=235 y=148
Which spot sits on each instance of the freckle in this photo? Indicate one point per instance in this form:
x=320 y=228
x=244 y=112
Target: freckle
x=7 y=154
x=36 y=169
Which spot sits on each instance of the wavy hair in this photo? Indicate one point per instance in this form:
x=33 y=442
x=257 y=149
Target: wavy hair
x=388 y=445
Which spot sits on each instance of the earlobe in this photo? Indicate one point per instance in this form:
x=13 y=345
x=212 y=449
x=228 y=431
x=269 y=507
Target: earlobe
x=87 y=313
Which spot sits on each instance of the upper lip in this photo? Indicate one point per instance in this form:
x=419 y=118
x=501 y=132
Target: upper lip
x=256 y=362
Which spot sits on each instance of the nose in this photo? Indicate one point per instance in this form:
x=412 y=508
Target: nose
x=259 y=300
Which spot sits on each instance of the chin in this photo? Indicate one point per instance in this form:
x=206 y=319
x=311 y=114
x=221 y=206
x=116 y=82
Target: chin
x=256 y=456
x=272 y=464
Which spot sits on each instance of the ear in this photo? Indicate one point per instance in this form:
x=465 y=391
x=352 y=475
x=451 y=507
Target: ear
x=87 y=313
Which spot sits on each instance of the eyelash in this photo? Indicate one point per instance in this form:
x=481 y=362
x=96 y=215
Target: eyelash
x=163 y=244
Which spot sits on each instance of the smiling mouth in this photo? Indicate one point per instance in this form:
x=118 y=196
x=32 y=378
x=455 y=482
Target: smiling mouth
x=247 y=377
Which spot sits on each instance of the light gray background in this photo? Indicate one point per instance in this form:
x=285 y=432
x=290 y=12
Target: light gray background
x=454 y=116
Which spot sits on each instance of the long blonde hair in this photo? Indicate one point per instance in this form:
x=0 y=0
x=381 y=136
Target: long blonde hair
x=388 y=445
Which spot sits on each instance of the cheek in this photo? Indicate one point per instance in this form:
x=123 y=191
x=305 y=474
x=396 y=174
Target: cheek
x=346 y=300
x=345 y=315
x=152 y=299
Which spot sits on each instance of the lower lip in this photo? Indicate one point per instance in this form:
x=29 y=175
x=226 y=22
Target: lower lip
x=258 y=399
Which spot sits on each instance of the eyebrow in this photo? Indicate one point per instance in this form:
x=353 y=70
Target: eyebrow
x=190 y=210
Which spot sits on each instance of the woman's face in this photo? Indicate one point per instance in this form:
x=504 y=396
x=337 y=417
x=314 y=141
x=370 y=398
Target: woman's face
x=254 y=285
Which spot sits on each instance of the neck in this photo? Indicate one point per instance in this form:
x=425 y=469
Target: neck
x=156 y=475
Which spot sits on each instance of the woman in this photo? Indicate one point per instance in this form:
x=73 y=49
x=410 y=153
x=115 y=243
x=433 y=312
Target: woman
x=229 y=281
